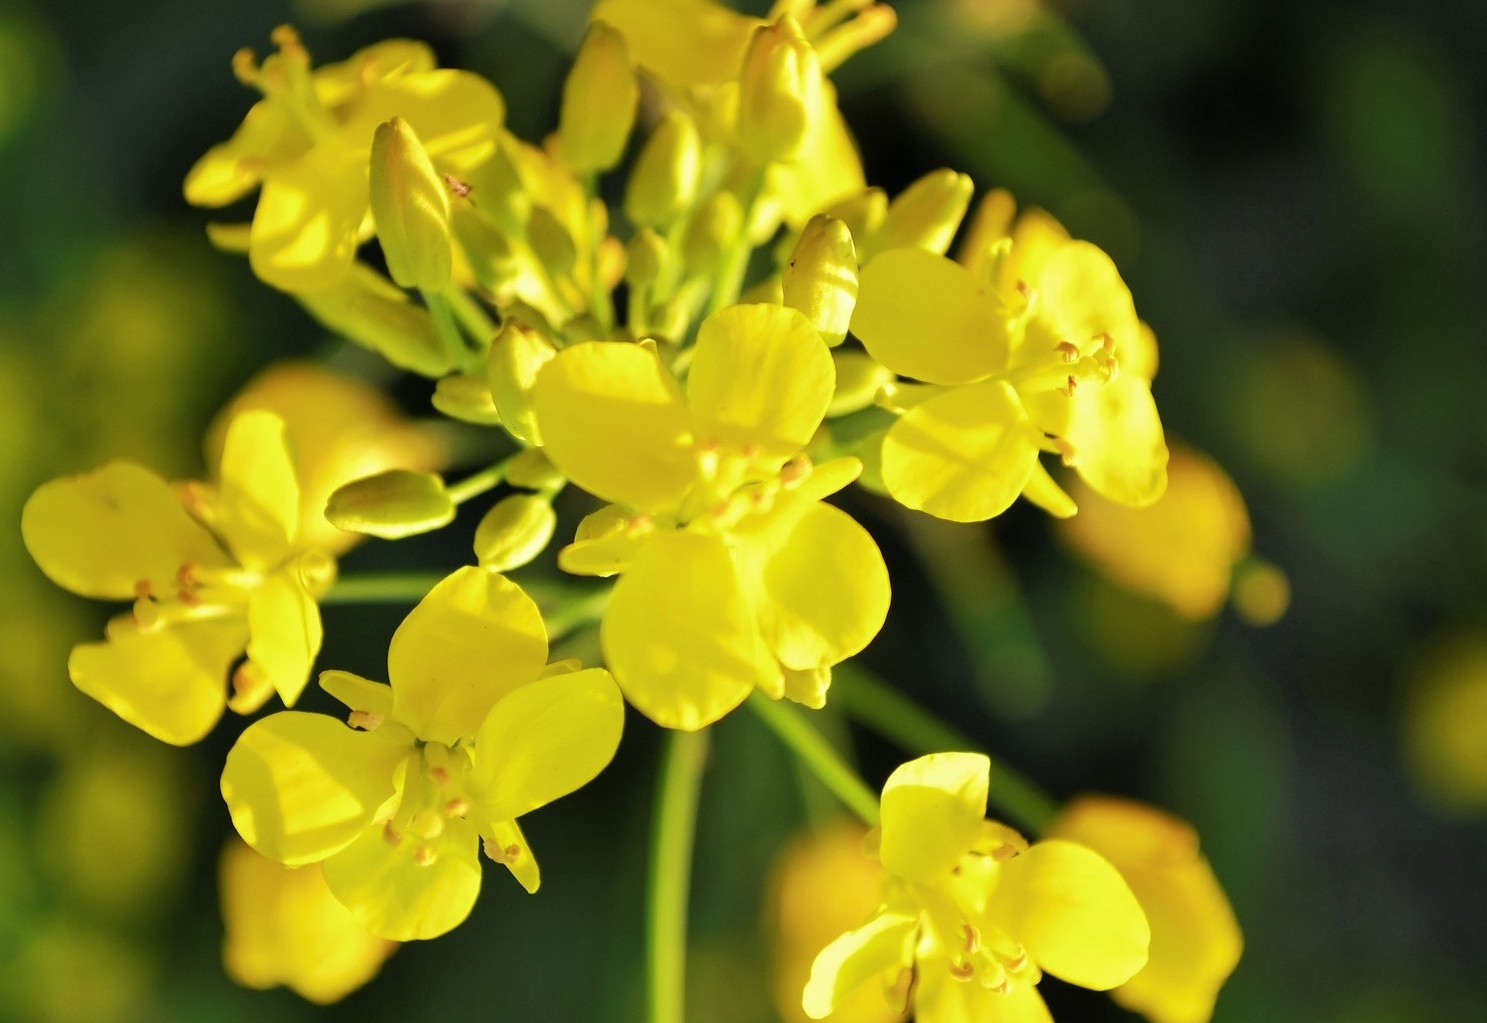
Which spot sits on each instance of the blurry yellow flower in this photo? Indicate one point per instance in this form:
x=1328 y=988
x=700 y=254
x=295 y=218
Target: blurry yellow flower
x=283 y=926
x=213 y=569
x=471 y=734
x=821 y=886
x=1040 y=350
x=1195 y=940
x=1446 y=721
x=308 y=144
x=975 y=912
x=736 y=574
x=1182 y=549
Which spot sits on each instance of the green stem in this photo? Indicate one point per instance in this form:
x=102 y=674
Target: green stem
x=448 y=330
x=669 y=882
x=471 y=316
x=478 y=483
x=789 y=724
x=876 y=704
x=381 y=588
x=736 y=263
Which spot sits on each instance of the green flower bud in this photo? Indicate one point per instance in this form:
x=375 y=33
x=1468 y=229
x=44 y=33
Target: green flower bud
x=646 y=256
x=391 y=505
x=664 y=180
x=531 y=469
x=712 y=231
x=925 y=215
x=514 y=531
x=516 y=355
x=410 y=206
x=821 y=277
x=599 y=100
x=466 y=397
x=780 y=90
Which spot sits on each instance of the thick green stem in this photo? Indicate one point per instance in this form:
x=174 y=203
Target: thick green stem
x=876 y=704
x=668 y=886
x=789 y=724
x=381 y=588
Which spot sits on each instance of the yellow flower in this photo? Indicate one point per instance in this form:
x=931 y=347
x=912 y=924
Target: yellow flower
x=1445 y=722
x=1039 y=351
x=283 y=926
x=974 y=912
x=1195 y=940
x=308 y=144
x=471 y=734
x=214 y=571
x=736 y=574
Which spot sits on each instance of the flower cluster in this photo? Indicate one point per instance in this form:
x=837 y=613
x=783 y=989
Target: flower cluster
x=700 y=398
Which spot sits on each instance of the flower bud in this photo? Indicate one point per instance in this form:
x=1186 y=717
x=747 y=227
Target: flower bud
x=391 y=504
x=859 y=380
x=467 y=397
x=780 y=90
x=514 y=531
x=599 y=100
x=821 y=278
x=410 y=206
x=664 y=180
x=516 y=355
x=365 y=308
x=925 y=215
x=710 y=234
x=647 y=255
x=531 y=469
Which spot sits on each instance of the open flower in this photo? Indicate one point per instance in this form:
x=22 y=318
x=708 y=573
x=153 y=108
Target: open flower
x=735 y=574
x=471 y=734
x=215 y=570
x=974 y=912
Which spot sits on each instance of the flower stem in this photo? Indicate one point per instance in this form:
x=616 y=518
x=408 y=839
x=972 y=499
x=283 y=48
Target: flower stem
x=730 y=277
x=791 y=727
x=477 y=483
x=382 y=588
x=669 y=882
x=876 y=704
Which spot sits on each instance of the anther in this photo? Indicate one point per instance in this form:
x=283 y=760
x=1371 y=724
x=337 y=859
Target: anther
x=245 y=66
x=243 y=680
x=796 y=471
x=457 y=808
x=1016 y=963
x=637 y=525
x=1107 y=343
x=391 y=834
x=1004 y=988
x=366 y=720
x=972 y=939
x=425 y=855
x=1068 y=389
x=962 y=971
x=1024 y=290
x=186 y=575
x=1066 y=352
x=439 y=774
x=499 y=853
x=1070 y=458
x=141 y=589
x=188 y=597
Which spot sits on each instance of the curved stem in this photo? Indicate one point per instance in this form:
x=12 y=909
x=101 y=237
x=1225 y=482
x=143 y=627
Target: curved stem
x=478 y=483
x=876 y=704
x=669 y=882
x=381 y=588
x=789 y=724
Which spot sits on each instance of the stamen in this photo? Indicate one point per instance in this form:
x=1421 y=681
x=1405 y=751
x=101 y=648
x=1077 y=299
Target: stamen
x=245 y=66
x=366 y=720
x=440 y=775
x=391 y=834
x=971 y=936
x=797 y=470
x=1066 y=352
x=188 y=597
x=1067 y=390
x=425 y=856
x=457 y=808
x=499 y=853
x=962 y=971
x=142 y=589
x=244 y=679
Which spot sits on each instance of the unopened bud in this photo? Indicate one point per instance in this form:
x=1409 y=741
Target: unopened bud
x=516 y=355
x=925 y=215
x=664 y=180
x=780 y=91
x=466 y=397
x=410 y=206
x=599 y=100
x=711 y=233
x=514 y=531
x=364 y=307
x=646 y=257
x=821 y=278
x=859 y=381
x=391 y=505
x=531 y=469
x=551 y=242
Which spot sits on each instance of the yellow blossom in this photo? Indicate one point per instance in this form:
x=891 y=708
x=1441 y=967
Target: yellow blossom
x=283 y=927
x=1195 y=940
x=214 y=571
x=735 y=574
x=974 y=913
x=471 y=733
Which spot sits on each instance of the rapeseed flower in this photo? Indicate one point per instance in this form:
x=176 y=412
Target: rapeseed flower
x=472 y=732
x=974 y=913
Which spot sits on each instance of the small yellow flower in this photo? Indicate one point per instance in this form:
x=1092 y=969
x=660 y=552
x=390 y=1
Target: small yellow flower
x=283 y=927
x=1195 y=940
x=735 y=574
x=974 y=913
x=308 y=143
x=471 y=733
x=214 y=571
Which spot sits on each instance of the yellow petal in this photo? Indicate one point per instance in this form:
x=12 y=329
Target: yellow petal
x=932 y=813
x=284 y=635
x=515 y=855
x=682 y=42
x=171 y=683
x=475 y=637
x=411 y=889
x=517 y=353
x=1048 y=495
x=545 y=740
x=926 y=317
x=606 y=542
x=100 y=533
x=1073 y=913
x=613 y=420
x=943 y=998
x=358 y=693
x=826 y=171
x=301 y=787
x=457 y=115
x=886 y=942
x=1119 y=447
x=304 y=233
x=268 y=137
x=1080 y=291
x=820 y=583
x=258 y=509
x=963 y=455
x=679 y=634
x=761 y=376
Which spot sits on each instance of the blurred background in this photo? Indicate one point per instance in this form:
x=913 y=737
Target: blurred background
x=1293 y=192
